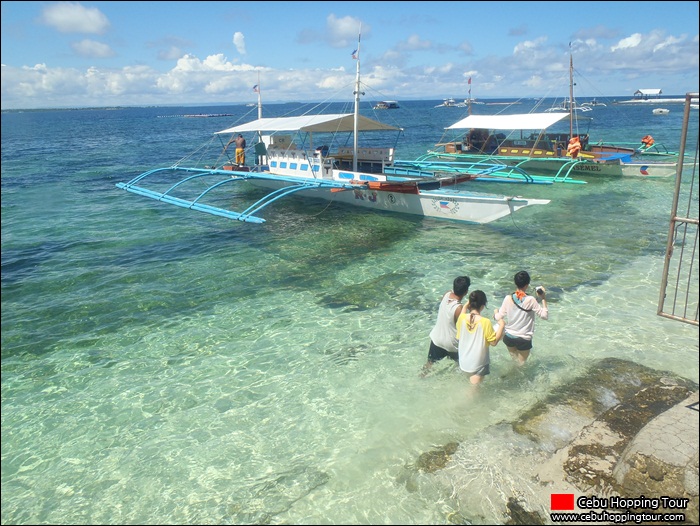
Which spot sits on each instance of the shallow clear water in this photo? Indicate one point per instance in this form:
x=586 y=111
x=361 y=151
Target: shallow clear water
x=166 y=366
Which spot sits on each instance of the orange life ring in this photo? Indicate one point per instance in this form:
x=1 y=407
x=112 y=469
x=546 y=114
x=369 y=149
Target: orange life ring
x=574 y=147
x=648 y=140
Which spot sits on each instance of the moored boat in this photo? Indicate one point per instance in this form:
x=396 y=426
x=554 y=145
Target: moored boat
x=305 y=156
x=386 y=105
x=594 y=104
x=532 y=147
x=448 y=103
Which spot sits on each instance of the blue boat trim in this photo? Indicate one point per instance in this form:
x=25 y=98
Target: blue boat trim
x=232 y=176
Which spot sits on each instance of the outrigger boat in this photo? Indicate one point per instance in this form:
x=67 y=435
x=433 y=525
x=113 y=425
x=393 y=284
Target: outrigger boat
x=352 y=175
x=531 y=148
x=536 y=150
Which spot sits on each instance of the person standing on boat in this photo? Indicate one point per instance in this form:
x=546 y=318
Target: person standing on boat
x=520 y=311
x=574 y=147
x=240 y=150
x=475 y=335
x=443 y=337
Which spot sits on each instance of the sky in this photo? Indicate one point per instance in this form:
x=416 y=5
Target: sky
x=105 y=54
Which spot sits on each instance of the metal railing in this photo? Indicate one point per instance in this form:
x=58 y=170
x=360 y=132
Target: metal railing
x=679 y=294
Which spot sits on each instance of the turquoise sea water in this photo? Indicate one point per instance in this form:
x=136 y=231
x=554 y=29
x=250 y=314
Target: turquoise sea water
x=166 y=366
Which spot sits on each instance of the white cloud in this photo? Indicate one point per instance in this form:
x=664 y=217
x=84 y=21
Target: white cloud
x=631 y=41
x=216 y=62
x=334 y=82
x=92 y=49
x=534 y=81
x=239 y=42
x=528 y=46
x=537 y=69
x=39 y=82
x=72 y=17
x=669 y=42
x=343 y=32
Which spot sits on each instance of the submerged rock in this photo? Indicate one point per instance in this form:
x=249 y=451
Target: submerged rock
x=602 y=434
x=431 y=461
x=519 y=515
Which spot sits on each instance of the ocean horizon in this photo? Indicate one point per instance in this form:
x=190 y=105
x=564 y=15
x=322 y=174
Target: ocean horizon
x=161 y=365
x=612 y=99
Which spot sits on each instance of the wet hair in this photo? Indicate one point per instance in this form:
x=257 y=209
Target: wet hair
x=460 y=286
x=522 y=279
x=477 y=299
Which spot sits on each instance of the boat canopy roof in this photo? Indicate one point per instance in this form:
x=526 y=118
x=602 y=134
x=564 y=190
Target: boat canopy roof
x=519 y=121
x=331 y=123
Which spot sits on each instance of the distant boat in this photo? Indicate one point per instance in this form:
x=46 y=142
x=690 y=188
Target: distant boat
x=566 y=105
x=660 y=111
x=448 y=103
x=467 y=102
x=209 y=115
x=386 y=105
x=593 y=103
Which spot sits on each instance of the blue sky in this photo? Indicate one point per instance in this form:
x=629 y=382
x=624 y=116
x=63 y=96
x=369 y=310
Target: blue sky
x=78 y=54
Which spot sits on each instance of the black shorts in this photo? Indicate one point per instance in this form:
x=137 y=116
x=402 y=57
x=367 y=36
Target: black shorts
x=436 y=353
x=520 y=344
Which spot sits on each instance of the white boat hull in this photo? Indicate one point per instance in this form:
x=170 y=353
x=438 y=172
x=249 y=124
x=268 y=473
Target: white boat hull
x=444 y=203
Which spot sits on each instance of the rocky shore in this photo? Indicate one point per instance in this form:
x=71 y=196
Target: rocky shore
x=623 y=430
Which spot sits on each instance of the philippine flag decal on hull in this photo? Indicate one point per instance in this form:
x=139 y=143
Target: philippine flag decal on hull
x=445 y=206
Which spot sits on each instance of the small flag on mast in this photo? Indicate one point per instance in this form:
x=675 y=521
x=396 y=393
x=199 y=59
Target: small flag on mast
x=256 y=89
x=354 y=54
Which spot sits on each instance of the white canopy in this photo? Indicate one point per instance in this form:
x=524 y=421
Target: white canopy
x=520 y=121
x=336 y=122
x=654 y=91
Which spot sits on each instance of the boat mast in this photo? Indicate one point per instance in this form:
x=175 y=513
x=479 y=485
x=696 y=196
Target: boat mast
x=259 y=98
x=571 y=93
x=469 y=100
x=259 y=90
x=357 y=93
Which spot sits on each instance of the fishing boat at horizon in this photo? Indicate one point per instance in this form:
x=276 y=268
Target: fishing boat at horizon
x=387 y=105
x=448 y=103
